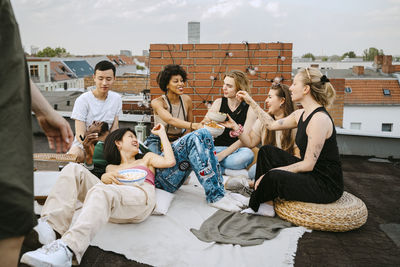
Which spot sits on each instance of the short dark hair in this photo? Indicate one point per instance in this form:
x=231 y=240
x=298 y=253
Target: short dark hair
x=104 y=65
x=165 y=75
x=111 y=152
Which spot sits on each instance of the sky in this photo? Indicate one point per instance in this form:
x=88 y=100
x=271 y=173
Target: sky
x=86 y=27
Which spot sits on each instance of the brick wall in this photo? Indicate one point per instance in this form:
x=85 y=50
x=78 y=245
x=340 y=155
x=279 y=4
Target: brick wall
x=336 y=110
x=132 y=84
x=204 y=60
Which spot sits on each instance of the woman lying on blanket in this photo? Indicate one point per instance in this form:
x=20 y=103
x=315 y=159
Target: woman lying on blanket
x=315 y=177
x=279 y=105
x=110 y=201
x=104 y=201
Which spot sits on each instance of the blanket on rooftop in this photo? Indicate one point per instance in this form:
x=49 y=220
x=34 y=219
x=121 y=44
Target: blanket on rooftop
x=167 y=240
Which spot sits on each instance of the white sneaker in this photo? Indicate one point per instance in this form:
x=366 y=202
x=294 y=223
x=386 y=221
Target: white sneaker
x=226 y=204
x=244 y=201
x=263 y=210
x=46 y=234
x=241 y=172
x=236 y=182
x=55 y=254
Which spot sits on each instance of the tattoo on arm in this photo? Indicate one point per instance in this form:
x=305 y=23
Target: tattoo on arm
x=281 y=122
x=263 y=116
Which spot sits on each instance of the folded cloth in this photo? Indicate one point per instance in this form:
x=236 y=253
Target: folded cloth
x=239 y=229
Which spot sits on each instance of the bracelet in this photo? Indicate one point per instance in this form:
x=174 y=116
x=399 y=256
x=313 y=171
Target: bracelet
x=236 y=133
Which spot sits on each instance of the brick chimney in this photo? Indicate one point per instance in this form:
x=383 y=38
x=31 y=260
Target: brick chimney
x=358 y=70
x=387 y=60
x=378 y=61
x=314 y=66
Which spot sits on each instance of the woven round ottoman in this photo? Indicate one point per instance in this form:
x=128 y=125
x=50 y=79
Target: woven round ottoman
x=345 y=214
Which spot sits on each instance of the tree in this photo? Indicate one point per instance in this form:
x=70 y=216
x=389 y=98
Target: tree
x=349 y=54
x=309 y=55
x=324 y=58
x=335 y=58
x=50 y=52
x=369 y=54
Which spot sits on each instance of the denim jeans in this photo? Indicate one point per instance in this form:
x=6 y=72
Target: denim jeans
x=240 y=159
x=153 y=143
x=252 y=172
x=194 y=151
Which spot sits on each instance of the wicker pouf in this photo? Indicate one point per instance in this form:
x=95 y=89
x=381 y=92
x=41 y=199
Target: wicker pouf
x=345 y=214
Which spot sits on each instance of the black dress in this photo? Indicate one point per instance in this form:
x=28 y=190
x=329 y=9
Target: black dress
x=239 y=115
x=324 y=184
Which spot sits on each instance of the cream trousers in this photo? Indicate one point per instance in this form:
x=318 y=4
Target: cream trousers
x=101 y=203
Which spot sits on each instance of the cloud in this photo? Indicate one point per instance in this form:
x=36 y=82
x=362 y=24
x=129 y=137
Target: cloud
x=222 y=8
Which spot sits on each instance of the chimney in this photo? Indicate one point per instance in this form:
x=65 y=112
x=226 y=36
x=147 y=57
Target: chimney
x=358 y=70
x=387 y=60
x=387 y=66
x=314 y=66
x=378 y=61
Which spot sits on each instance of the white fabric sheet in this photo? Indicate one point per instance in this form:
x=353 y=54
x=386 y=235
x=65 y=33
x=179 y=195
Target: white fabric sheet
x=167 y=241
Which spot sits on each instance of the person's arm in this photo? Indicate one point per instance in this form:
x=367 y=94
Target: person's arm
x=190 y=116
x=229 y=150
x=249 y=139
x=115 y=124
x=318 y=130
x=55 y=127
x=168 y=159
x=111 y=175
x=158 y=108
x=80 y=130
x=288 y=122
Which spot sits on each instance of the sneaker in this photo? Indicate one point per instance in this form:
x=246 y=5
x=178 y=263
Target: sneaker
x=41 y=234
x=244 y=201
x=226 y=204
x=55 y=254
x=237 y=182
x=263 y=210
x=241 y=172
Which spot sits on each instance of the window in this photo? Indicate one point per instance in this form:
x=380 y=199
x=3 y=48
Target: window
x=355 y=125
x=34 y=70
x=387 y=127
x=386 y=91
x=348 y=90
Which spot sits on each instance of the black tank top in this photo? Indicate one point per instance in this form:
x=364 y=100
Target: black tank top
x=239 y=116
x=328 y=167
x=330 y=149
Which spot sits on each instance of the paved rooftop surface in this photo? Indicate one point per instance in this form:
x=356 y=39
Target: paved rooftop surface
x=376 y=183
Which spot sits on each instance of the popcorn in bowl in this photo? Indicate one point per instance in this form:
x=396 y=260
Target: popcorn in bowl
x=132 y=176
x=214 y=129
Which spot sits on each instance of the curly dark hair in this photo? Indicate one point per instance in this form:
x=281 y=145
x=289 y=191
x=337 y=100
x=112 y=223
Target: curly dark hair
x=165 y=75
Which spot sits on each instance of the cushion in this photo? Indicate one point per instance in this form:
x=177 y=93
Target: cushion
x=163 y=201
x=345 y=214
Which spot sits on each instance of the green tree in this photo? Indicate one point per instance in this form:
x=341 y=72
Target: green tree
x=349 y=54
x=50 y=52
x=335 y=58
x=369 y=54
x=324 y=58
x=309 y=55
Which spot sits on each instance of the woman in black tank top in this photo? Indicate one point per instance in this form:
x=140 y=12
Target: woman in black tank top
x=229 y=151
x=315 y=177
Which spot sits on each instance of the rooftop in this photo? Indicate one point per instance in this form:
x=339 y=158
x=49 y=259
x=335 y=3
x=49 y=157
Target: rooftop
x=377 y=243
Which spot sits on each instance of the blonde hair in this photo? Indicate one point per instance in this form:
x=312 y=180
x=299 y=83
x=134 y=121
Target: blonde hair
x=321 y=90
x=241 y=80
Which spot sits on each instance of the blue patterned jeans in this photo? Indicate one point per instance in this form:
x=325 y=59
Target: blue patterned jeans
x=194 y=151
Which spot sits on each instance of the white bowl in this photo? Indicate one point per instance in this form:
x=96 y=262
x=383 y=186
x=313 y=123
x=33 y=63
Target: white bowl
x=216 y=116
x=215 y=132
x=133 y=176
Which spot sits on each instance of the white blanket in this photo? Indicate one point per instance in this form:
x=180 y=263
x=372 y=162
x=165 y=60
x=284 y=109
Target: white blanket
x=167 y=240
